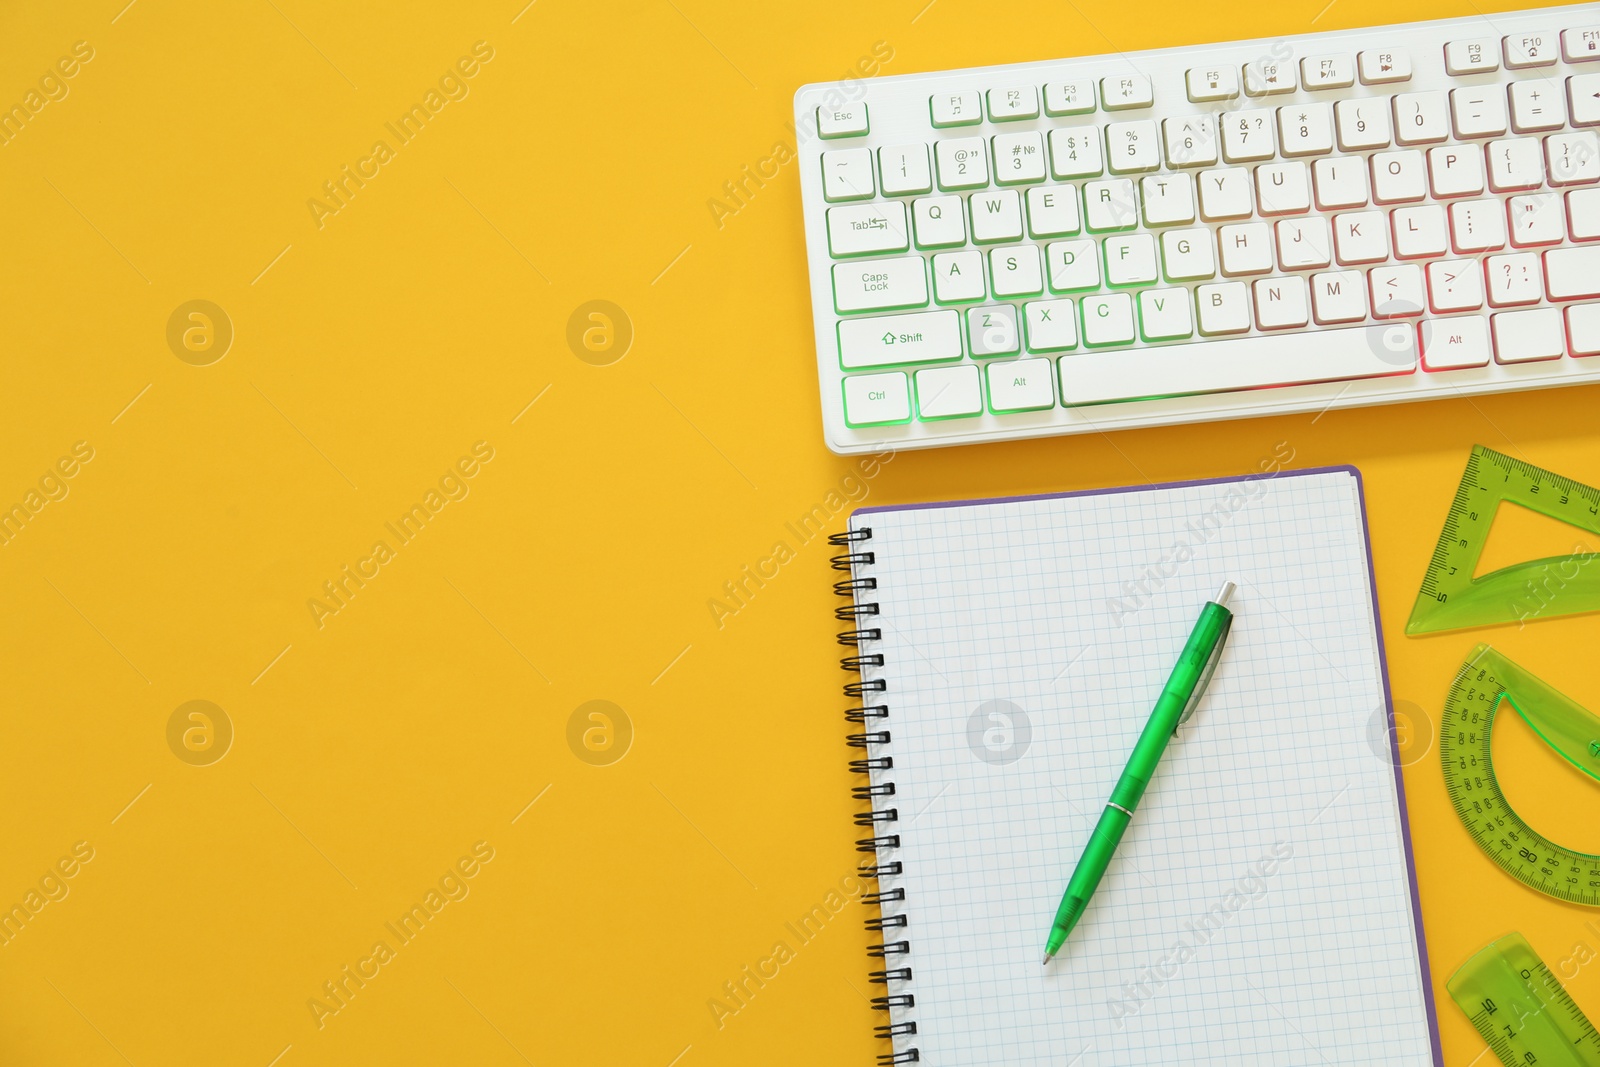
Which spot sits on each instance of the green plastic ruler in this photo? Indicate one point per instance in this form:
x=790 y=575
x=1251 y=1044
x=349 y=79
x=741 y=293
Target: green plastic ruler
x=1451 y=598
x=1521 y=1008
x=1485 y=683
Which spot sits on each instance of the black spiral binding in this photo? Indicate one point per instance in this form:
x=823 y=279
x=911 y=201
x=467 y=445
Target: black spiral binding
x=873 y=734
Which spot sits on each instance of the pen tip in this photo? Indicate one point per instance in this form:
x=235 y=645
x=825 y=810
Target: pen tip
x=1047 y=959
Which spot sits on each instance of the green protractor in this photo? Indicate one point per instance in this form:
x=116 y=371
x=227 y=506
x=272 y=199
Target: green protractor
x=1487 y=682
x=1521 y=1008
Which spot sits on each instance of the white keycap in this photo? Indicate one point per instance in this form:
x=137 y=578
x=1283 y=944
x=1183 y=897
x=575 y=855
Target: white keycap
x=1120 y=94
x=1131 y=259
x=1514 y=279
x=1361 y=237
x=1012 y=102
x=1281 y=303
x=880 y=284
x=1190 y=141
x=996 y=216
x=1074 y=266
x=1583 y=99
x=1303 y=243
x=1456 y=170
x=1107 y=319
x=1523 y=50
x=847 y=174
x=1572 y=158
x=1165 y=315
x=925 y=337
x=1305 y=129
x=1188 y=255
x=1267 y=76
x=1224 y=308
x=1476 y=56
x=958 y=277
x=940 y=221
x=1456 y=285
x=1018 y=158
x=1572 y=272
x=956 y=109
x=1069 y=98
x=1246 y=248
x=1075 y=153
x=1536 y=220
x=1477 y=225
x=1053 y=211
x=1328 y=72
x=1247 y=135
x=1132 y=147
x=1283 y=188
x=1397 y=291
x=875 y=399
x=1052 y=325
x=1478 y=111
x=1399 y=177
x=949 y=392
x=1225 y=194
x=904 y=169
x=1581 y=44
x=1536 y=105
x=1340 y=182
x=1514 y=164
x=1110 y=205
x=1235 y=363
x=1015 y=271
x=1211 y=83
x=1583 y=214
x=1338 y=296
x=860 y=229
x=1362 y=123
x=1455 y=344
x=1021 y=385
x=1420 y=232
x=1421 y=118
x=992 y=331
x=1528 y=336
x=845 y=120
x=962 y=163
x=1383 y=66
x=1583 y=329
x=1168 y=199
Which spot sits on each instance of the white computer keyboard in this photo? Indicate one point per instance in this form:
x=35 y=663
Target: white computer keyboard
x=1253 y=228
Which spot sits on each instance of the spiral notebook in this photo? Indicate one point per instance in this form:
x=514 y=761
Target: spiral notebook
x=1262 y=908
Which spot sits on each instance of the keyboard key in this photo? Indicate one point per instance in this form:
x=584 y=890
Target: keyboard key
x=1052 y=325
x=1283 y=188
x=1168 y=199
x=1340 y=182
x=1120 y=94
x=1225 y=194
x=1304 y=243
x=1420 y=118
x=880 y=284
x=1188 y=255
x=996 y=216
x=1074 y=266
x=1015 y=271
x=877 y=399
x=1018 y=158
x=1479 y=111
x=1456 y=170
x=1110 y=205
x=1536 y=220
x=1327 y=355
x=1583 y=214
x=1131 y=260
x=861 y=229
x=1523 y=50
x=904 y=169
x=1361 y=237
x=1528 y=336
x=1398 y=177
x=1247 y=136
x=1246 y=248
x=940 y=221
x=1384 y=66
x=1267 y=76
x=1572 y=273
x=1514 y=164
x=1514 y=279
x=1362 y=123
x=1477 y=225
x=1165 y=315
x=924 y=337
x=1455 y=344
x=1581 y=44
x=847 y=174
x=1420 y=232
x=1107 y=319
x=1583 y=329
x=1190 y=141
x=1013 y=102
x=1536 y=106
x=1053 y=212
x=1397 y=291
x=1583 y=100
x=1477 y=56
x=1224 y=308
x=1572 y=158
x=845 y=120
x=962 y=163
x=955 y=109
x=1305 y=129
x=1132 y=147
x=1281 y=303
x=1020 y=385
x=992 y=331
x=958 y=277
x=1075 y=153
x=1338 y=296
x=1328 y=72
x=1211 y=83
x=1069 y=98
x=1456 y=285
x=949 y=392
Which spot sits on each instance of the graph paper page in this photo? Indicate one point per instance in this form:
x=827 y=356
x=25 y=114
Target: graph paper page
x=1259 y=909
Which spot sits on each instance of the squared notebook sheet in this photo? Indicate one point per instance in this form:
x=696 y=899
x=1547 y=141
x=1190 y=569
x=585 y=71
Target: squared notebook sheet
x=1261 y=909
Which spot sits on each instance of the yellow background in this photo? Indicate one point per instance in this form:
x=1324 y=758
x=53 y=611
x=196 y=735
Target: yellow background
x=426 y=715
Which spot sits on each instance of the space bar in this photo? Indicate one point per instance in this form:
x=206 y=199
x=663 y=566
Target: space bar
x=1223 y=365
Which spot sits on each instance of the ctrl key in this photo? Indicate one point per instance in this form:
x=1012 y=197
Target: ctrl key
x=877 y=399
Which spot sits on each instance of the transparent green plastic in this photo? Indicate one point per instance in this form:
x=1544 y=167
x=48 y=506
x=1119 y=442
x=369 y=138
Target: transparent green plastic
x=1521 y=1009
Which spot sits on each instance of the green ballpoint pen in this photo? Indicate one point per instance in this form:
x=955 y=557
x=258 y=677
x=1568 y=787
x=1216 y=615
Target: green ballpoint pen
x=1177 y=702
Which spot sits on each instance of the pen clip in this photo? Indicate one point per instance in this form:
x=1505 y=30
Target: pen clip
x=1205 y=674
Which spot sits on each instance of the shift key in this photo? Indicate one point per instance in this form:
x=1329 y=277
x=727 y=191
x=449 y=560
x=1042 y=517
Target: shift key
x=926 y=337
x=880 y=284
